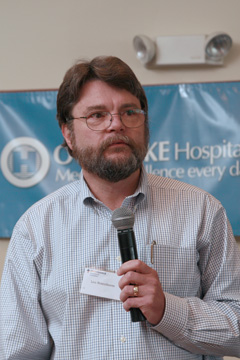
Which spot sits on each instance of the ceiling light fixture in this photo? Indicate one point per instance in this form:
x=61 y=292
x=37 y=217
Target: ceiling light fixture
x=182 y=50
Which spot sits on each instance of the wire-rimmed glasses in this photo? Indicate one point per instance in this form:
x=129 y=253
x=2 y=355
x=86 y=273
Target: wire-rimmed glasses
x=101 y=120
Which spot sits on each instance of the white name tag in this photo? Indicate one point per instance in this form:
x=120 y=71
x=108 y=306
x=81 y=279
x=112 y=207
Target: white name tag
x=101 y=283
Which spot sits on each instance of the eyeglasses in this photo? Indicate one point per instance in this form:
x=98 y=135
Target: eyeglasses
x=101 y=120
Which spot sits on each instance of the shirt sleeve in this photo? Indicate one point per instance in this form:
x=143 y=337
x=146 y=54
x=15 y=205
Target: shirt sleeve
x=211 y=324
x=23 y=328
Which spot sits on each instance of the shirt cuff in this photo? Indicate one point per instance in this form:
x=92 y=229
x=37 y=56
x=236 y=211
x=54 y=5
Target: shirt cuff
x=175 y=317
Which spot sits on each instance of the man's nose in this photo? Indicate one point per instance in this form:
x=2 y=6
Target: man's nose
x=116 y=123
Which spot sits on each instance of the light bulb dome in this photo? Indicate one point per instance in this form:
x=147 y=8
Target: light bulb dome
x=144 y=47
x=218 y=46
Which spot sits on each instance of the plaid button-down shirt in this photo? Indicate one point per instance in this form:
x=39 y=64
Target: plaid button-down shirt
x=43 y=315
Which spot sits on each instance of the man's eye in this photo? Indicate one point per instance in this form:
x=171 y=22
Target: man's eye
x=130 y=112
x=97 y=115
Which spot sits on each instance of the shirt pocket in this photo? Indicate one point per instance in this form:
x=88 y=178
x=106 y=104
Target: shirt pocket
x=177 y=268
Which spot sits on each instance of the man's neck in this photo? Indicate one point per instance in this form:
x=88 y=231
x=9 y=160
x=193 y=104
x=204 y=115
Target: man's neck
x=109 y=193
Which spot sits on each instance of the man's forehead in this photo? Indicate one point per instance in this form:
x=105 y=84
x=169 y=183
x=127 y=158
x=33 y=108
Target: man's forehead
x=97 y=93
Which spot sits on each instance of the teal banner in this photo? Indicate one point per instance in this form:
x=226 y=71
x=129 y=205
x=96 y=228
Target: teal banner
x=194 y=137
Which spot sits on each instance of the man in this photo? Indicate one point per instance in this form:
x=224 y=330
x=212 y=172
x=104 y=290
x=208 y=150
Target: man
x=187 y=279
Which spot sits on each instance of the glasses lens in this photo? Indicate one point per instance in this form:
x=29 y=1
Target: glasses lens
x=133 y=118
x=99 y=120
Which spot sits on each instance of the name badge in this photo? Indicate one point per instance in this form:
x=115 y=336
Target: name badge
x=101 y=283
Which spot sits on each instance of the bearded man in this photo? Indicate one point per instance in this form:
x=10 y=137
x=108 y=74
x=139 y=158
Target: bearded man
x=186 y=282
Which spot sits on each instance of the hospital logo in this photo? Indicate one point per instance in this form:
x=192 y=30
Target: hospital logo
x=25 y=162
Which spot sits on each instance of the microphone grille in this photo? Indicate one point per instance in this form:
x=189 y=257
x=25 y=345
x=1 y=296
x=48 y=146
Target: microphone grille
x=123 y=218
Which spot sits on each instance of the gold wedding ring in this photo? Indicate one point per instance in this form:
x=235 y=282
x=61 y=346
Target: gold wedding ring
x=135 y=290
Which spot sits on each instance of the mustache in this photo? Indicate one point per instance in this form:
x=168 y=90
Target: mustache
x=116 y=138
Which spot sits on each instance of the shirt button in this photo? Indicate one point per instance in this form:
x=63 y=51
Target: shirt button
x=118 y=258
x=123 y=339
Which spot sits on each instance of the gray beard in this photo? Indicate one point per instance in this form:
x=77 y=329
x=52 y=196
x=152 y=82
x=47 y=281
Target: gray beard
x=112 y=170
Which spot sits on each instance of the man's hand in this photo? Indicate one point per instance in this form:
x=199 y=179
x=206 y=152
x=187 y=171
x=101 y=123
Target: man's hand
x=150 y=299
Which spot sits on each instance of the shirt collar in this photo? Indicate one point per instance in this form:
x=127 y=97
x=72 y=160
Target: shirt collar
x=87 y=197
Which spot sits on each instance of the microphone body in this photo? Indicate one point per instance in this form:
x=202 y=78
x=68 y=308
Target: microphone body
x=127 y=245
x=123 y=220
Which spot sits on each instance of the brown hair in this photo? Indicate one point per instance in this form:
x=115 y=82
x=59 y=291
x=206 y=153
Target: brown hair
x=109 y=69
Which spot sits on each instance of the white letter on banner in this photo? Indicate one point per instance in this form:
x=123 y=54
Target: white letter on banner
x=56 y=156
x=196 y=153
x=163 y=150
x=235 y=169
x=177 y=151
x=236 y=151
x=215 y=153
x=63 y=176
x=150 y=153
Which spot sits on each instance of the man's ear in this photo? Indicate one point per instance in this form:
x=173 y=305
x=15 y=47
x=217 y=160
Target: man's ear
x=67 y=135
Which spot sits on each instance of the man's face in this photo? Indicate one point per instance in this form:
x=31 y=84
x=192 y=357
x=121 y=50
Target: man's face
x=112 y=154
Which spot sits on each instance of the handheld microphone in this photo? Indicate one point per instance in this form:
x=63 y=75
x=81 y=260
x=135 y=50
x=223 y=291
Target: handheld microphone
x=123 y=220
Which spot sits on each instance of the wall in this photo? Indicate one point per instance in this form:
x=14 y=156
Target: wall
x=40 y=40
